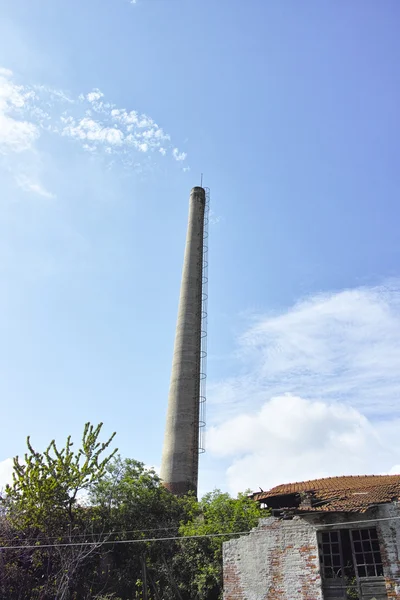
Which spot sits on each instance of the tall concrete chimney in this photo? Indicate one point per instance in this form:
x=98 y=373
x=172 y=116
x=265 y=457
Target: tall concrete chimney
x=180 y=458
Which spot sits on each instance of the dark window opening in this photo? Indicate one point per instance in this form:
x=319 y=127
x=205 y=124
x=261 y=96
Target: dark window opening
x=367 y=555
x=336 y=555
x=347 y=554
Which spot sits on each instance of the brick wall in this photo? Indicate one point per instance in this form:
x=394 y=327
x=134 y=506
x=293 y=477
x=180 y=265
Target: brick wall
x=389 y=534
x=277 y=560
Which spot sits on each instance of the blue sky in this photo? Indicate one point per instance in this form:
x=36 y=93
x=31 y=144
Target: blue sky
x=109 y=112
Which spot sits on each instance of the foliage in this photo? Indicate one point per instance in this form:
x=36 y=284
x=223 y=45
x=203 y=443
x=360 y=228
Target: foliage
x=216 y=513
x=134 y=504
x=46 y=485
x=112 y=550
x=41 y=508
x=352 y=588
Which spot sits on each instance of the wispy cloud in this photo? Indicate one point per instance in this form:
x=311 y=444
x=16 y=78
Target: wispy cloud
x=30 y=185
x=178 y=155
x=113 y=130
x=99 y=127
x=16 y=133
x=51 y=95
x=316 y=381
x=117 y=131
x=341 y=346
x=89 y=129
x=94 y=96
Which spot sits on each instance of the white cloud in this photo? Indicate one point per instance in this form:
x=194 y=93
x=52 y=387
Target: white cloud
x=6 y=470
x=52 y=95
x=16 y=134
x=98 y=126
x=91 y=148
x=142 y=132
x=292 y=439
x=5 y=72
x=116 y=127
x=88 y=129
x=178 y=155
x=30 y=185
x=94 y=95
x=337 y=357
x=341 y=346
x=25 y=113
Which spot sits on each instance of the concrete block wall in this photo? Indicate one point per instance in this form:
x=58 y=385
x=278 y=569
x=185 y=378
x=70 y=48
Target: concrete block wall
x=277 y=560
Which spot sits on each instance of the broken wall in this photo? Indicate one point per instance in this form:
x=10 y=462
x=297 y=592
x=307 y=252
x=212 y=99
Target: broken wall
x=277 y=560
x=389 y=533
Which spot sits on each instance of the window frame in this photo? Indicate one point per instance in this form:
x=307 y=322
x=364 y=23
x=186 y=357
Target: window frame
x=337 y=577
x=367 y=565
x=331 y=554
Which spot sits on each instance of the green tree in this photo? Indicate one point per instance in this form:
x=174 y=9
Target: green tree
x=200 y=560
x=42 y=508
x=135 y=505
x=113 y=535
x=46 y=485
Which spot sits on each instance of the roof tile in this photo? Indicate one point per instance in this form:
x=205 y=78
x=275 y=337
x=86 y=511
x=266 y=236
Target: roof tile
x=337 y=494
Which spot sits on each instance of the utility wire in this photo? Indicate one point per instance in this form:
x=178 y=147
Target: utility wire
x=134 y=541
x=108 y=533
x=228 y=522
x=182 y=538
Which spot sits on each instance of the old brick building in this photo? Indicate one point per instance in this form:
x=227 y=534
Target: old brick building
x=327 y=539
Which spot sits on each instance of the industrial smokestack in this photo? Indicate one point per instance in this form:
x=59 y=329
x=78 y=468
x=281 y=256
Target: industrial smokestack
x=180 y=458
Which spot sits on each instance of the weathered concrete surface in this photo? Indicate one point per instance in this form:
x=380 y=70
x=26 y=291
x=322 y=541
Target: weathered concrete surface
x=179 y=466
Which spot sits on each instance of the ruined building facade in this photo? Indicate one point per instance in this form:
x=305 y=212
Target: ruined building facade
x=328 y=539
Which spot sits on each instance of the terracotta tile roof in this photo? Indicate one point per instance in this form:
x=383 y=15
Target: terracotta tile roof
x=338 y=494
